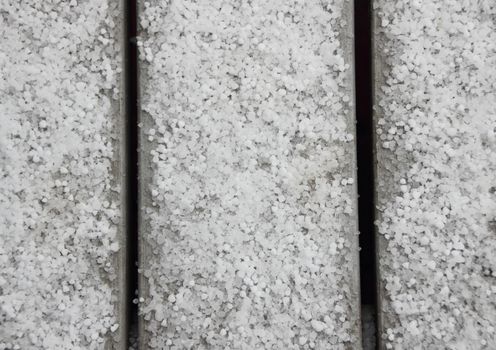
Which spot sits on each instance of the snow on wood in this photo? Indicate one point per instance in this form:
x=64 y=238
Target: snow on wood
x=249 y=233
x=436 y=150
x=60 y=173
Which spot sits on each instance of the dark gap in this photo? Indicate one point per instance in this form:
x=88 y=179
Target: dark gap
x=365 y=161
x=131 y=111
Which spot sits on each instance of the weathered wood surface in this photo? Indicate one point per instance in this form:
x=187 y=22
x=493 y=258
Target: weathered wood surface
x=248 y=228
x=435 y=115
x=60 y=167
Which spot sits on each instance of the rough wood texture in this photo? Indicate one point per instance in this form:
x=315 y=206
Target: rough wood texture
x=60 y=168
x=435 y=116
x=248 y=229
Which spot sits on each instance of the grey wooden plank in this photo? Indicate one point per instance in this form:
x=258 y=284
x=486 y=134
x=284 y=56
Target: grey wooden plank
x=62 y=254
x=249 y=228
x=434 y=114
x=120 y=285
x=379 y=72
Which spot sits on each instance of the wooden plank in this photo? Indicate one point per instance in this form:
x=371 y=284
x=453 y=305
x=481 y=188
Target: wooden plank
x=435 y=115
x=249 y=229
x=379 y=74
x=61 y=269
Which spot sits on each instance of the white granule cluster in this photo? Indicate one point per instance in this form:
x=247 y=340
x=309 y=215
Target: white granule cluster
x=250 y=213
x=59 y=207
x=436 y=131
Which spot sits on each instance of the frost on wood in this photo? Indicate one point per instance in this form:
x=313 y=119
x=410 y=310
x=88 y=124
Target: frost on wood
x=248 y=130
x=59 y=208
x=437 y=185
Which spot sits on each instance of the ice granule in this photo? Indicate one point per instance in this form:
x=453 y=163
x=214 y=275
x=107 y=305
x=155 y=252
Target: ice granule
x=252 y=230
x=58 y=152
x=436 y=110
